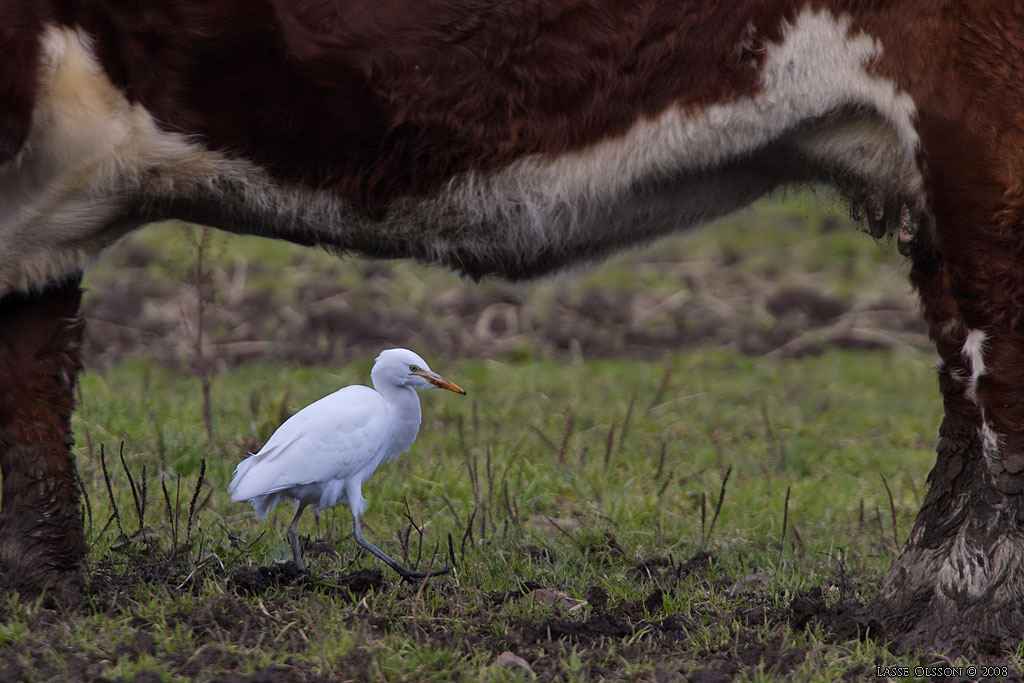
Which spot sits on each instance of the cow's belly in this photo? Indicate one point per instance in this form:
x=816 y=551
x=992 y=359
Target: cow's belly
x=96 y=166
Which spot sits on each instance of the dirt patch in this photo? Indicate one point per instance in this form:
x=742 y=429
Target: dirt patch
x=520 y=590
x=597 y=597
x=258 y=580
x=846 y=621
x=745 y=654
x=600 y=625
x=267 y=609
x=665 y=569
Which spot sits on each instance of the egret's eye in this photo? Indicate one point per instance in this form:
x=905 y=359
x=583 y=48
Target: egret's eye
x=413 y=368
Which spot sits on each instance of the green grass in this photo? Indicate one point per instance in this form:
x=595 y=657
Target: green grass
x=832 y=422
x=825 y=427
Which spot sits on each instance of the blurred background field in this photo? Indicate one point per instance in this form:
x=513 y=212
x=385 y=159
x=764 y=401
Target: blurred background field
x=679 y=445
x=787 y=278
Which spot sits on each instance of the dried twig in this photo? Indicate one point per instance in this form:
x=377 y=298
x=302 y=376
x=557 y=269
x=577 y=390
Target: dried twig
x=142 y=497
x=419 y=532
x=451 y=507
x=473 y=464
x=892 y=508
x=131 y=485
x=490 y=476
x=451 y=551
x=608 y=445
x=566 y=532
x=200 y=274
x=566 y=434
x=177 y=507
x=88 y=503
x=703 y=515
x=170 y=516
x=785 y=517
x=624 y=432
x=110 y=491
x=664 y=487
x=718 y=506
x=468 y=534
x=661 y=461
x=192 y=505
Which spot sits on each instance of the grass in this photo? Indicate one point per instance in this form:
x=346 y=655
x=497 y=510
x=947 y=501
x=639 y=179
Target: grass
x=775 y=423
x=708 y=513
x=494 y=458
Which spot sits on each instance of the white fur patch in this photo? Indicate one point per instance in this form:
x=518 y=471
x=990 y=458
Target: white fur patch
x=973 y=352
x=817 y=69
x=990 y=443
x=90 y=159
x=96 y=166
x=973 y=569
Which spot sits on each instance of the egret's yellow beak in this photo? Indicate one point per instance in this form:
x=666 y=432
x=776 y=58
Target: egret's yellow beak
x=439 y=381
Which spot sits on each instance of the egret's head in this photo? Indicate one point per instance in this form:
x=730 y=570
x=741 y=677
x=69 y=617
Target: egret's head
x=403 y=368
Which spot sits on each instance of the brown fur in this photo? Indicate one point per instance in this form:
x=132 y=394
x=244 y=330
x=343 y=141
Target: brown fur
x=390 y=99
x=20 y=23
x=973 y=133
x=41 y=535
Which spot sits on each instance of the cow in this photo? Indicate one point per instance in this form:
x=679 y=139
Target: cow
x=511 y=139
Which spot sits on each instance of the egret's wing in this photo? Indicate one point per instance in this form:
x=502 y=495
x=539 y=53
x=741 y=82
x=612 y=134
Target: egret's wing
x=333 y=438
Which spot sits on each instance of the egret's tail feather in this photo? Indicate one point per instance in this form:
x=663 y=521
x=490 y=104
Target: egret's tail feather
x=236 y=479
x=262 y=505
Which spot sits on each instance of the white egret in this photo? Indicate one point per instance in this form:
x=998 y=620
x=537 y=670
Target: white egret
x=322 y=455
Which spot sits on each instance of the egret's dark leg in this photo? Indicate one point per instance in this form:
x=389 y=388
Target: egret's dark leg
x=293 y=535
x=406 y=573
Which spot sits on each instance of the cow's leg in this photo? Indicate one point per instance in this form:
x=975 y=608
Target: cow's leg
x=42 y=543
x=959 y=581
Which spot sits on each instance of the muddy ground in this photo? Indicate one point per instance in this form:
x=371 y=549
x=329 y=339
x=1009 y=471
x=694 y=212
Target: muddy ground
x=256 y=602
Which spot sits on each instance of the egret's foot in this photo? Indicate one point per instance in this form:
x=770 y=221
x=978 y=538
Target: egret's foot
x=410 y=575
x=406 y=574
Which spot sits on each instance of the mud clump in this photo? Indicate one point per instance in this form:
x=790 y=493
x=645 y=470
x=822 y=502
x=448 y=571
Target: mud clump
x=666 y=569
x=363 y=581
x=254 y=581
x=607 y=625
x=847 y=621
x=258 y=580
